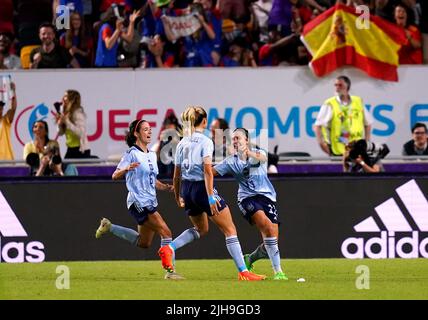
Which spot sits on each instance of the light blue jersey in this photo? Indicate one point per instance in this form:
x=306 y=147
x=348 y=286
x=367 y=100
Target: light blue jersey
x=141 y=182
x=190 y=154
x=251 y=176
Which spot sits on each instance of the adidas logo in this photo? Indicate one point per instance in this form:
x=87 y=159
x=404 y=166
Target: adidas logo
x=401 y=234
x=16 y=252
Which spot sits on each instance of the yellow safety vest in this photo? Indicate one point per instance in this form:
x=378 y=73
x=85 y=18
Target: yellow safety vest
x=347 y=123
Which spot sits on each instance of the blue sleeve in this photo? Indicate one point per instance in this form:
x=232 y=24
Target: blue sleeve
x=207 y=149
x=178 y=156
x=126 y=160
x=223 y=167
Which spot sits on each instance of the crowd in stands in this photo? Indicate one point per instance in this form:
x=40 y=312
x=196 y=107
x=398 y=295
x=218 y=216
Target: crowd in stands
x=143 y=33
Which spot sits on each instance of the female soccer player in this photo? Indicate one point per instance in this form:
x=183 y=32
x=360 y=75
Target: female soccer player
x=193 y=176
x=139 y=165
x=256 y=197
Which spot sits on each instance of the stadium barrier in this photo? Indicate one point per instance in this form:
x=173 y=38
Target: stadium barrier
x=322 y=217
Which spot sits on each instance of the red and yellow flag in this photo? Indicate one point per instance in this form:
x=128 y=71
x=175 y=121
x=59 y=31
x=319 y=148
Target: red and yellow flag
x=335 y=40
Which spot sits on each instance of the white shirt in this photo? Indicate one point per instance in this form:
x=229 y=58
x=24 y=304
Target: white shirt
x=326 y=114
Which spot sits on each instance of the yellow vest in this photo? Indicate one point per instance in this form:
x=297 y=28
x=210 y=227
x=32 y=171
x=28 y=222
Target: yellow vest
x=347 y=123
x=6 y=151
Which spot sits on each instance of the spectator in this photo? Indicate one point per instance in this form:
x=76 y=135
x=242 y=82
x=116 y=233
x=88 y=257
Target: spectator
x=262 y=9
x=385 y=9
x=108 y=38
x=198 y=47
x=50 y=54
x=72 y=123
x=411 y=53
x=235 y=10
x=270 y=54
x=419 y=144
x=239 y=55
x=424 y=28
x=6 y=119
x=11 y=61
x=342 y=119
x=43 y=155
x=357 y=160
x=76 y=42
x=159 y=53
x=213 y=18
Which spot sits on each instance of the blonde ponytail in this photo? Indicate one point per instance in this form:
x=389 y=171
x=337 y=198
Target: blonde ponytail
x=191 y=118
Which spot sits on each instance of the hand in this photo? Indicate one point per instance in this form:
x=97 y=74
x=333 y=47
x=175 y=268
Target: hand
x=134 y=16
x=214 y=206
x=119 y=25
x=132 y=166
x=180 y=202
x=13 y=86
x=201 y=18
x=57 y=169
x=45 y=161
x=37 y=58
x=324 y=147
x=359 y=159
x=73 y=50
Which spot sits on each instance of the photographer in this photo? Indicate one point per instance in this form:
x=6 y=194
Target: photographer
x=363 y=157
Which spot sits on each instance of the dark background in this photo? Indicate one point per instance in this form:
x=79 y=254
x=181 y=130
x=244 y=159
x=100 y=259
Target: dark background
x=317 y=214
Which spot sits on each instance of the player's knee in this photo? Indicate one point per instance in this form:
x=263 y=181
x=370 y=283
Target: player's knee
x=268 y=229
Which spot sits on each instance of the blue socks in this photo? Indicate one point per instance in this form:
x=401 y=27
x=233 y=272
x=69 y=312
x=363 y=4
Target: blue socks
x=127 y=234
x=271 y=245
x=234 y=248
x=186 y=237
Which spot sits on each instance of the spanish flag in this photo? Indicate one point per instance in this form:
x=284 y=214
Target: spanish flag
x=338 y=37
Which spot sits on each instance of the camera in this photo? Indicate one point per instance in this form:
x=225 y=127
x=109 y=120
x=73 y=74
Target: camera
x=367 y=150
x=197 y=9
x=52 y=151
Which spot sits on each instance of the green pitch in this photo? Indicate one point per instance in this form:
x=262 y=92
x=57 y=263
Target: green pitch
x=217 y=279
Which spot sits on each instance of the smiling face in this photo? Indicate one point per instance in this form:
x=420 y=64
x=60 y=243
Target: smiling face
x=39 y=129
x=47 y=36
x=400 y=16
x=144 y=133
x=76 y=21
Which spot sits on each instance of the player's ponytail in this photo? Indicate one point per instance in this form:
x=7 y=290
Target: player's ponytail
x=191 y=118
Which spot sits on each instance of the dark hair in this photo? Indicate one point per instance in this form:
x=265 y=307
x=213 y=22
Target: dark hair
x=134 y=126
x=419 y=125
x=346 y=80
x=47 y=25
x=46 y=128
x=245 y=131
x=222 y=124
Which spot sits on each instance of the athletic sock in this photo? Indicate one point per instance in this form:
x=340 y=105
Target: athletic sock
x=271 y=245
x=186 y=237
x=234 y=248
x=127 y=234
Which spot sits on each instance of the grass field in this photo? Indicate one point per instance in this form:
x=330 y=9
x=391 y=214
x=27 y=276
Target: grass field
x=216 y=279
